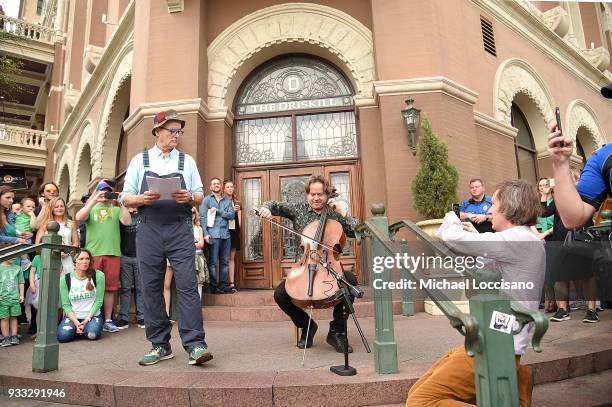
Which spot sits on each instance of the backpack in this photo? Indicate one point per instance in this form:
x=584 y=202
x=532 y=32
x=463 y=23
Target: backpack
x=69 y=281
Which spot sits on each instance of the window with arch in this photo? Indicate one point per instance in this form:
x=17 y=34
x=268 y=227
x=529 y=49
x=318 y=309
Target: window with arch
x=294 y=108
x=526 y=154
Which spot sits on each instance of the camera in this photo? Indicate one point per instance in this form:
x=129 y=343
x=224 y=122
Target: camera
x=455 y=208
x=111 y=195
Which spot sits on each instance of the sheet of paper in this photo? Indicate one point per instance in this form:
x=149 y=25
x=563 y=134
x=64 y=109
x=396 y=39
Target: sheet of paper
x=165 y=187
x=210 y=217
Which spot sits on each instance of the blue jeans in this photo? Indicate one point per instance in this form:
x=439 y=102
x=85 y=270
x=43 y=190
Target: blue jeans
x=130 y=277
x=219 y=250
x=66 y=331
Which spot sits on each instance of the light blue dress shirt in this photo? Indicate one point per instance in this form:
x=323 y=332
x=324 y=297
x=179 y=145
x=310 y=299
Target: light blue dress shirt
x=161 y=166
x=225 y=212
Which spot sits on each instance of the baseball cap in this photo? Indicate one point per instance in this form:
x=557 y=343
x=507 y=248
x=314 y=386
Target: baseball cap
x=162 y=117
x=606 y=91
x=104 y=185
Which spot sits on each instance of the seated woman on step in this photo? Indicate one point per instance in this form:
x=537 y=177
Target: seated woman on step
x=81 y=294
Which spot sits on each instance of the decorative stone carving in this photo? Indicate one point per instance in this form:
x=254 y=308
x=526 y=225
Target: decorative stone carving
x=71 y=96
x=333 y=31
x=91 y=57
x=175 y=6
x=598 y=57
x=516 y=76
x=581 y=115
x=557 y=19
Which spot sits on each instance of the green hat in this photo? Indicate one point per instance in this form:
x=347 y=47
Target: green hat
x=162 y=117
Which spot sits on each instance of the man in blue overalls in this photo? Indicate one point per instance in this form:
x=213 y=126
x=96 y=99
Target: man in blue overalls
x=165 y=232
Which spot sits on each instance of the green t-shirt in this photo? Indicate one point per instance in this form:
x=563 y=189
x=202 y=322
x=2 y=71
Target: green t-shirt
x=22 y=223
x=36 y=266
x=545 y=223
x=10 y=278
x=103 y=236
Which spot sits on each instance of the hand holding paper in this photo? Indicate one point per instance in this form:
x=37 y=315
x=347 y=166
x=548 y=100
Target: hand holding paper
x=165 y=187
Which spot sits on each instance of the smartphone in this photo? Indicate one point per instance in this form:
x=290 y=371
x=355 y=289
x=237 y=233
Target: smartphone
x=111 y=195
x=558 y=117
x=455 y=208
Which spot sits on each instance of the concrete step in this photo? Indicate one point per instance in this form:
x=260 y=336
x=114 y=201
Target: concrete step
x=257 y=298
x=266 y=313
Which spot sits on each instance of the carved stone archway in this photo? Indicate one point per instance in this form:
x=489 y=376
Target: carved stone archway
x=64 y=170
x=516 y=76
x=116 y=103
x=286 y=28
x=580 y=115
x=83 y=163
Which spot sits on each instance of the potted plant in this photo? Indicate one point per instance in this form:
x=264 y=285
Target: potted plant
x=434 y=187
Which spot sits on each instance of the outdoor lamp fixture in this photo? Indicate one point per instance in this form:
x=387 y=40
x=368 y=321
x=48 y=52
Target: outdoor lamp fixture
x=412 y=117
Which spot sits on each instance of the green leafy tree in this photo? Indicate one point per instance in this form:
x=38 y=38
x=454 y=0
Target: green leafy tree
x=9 y=68
x=434 y=188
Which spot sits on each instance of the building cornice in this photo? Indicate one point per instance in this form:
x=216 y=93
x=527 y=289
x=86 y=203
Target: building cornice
x=489 y=123
x=522 y=21
x=117 y=45
x=425 y=85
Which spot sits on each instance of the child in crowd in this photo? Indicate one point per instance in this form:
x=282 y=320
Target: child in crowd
x=25 y=219
x=11 y=295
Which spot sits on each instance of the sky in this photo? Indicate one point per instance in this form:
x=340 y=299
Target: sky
x=10 y=7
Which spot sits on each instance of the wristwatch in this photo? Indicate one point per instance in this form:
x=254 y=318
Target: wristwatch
x=192 y=196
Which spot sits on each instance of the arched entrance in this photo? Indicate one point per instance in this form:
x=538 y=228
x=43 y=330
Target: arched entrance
x=294 y=117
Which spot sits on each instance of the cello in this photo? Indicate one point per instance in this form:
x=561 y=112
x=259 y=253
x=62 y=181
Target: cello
x=309 y=283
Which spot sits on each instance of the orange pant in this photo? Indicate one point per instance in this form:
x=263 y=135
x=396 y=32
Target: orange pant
x=450 y=383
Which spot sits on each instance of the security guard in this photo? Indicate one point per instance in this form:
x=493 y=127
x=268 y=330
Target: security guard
x=476 y=209
x=165 y=233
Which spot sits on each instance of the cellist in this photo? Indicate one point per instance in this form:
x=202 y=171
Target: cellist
x=301 y=214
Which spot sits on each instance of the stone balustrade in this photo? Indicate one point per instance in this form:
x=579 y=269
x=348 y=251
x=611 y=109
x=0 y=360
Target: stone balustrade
x=27 y=30
x=23 y=137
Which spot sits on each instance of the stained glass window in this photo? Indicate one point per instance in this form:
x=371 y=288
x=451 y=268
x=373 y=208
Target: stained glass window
x=277 y=114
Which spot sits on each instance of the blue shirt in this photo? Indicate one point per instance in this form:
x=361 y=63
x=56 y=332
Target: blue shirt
x=596 y=179
x=475 y=207
x=225 y=212
x=161 y=166
x=5 y=237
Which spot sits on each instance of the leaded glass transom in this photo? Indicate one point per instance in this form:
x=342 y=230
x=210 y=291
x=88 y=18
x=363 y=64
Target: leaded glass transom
x=304 y=90
x=295 y=79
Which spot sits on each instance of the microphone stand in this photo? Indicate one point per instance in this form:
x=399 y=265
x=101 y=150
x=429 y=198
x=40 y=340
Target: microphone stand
x=345 y=289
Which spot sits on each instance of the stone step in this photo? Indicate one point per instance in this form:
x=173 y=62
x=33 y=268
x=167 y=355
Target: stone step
x=257 y=298
x=263 y=313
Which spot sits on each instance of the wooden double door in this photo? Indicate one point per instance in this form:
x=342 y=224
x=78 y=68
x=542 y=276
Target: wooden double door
x=267 y=251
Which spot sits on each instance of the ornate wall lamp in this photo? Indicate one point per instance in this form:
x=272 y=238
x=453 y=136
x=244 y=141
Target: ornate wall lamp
x=412 y=117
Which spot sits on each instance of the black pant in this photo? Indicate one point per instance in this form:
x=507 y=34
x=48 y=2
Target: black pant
x=299 y=317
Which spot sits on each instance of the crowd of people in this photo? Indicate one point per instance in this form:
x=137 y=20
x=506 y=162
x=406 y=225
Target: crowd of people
x=568 y=275
x=96 y=286
x=141 y=241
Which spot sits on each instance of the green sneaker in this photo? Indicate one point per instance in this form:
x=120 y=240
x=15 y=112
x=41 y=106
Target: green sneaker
x=156 y=354
x=199 y=355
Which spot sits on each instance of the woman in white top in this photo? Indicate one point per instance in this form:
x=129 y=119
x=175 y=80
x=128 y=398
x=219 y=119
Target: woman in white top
x=82 y=294
x=55 y=210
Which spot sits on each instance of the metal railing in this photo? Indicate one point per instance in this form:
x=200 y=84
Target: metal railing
x=23 y=29
x=493 y=351
x=23 y=137
x=45 y=357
